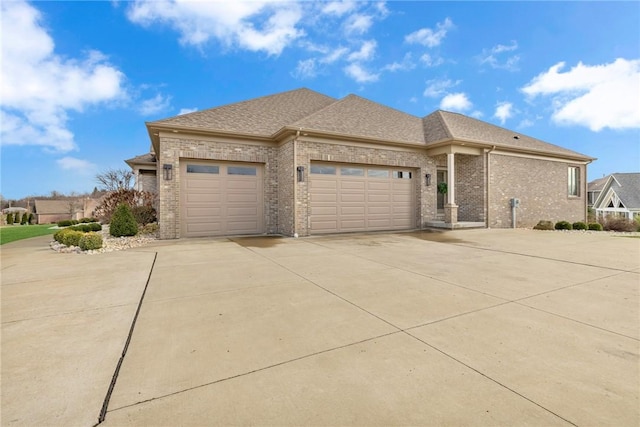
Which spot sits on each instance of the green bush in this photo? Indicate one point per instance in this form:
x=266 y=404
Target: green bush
x=25 y=217
x=87 y=227
x=122 y=222
x=9 y=218
x=543 y=225
x=579 y=225
x=563 y=225
x=595 y=226
x=87 y=220
x=64 y=223
x=31 y=217
x=95 y=226
x=144 y=214
x=72 y=238
x=90 y=241
x=57 y=236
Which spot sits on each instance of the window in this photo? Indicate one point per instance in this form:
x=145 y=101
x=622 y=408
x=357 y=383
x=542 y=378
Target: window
x=203 y=169
x=240 y=170
x=352 y=171
x=378 y=173
x=574 y=181
x=402 y=174
x=323 y=170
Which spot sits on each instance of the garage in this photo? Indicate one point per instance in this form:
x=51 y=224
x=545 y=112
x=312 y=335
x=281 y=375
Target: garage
x=220 y=198
x=349 y=198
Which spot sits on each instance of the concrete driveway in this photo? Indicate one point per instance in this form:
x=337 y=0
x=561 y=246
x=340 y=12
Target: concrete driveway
x=473 y=327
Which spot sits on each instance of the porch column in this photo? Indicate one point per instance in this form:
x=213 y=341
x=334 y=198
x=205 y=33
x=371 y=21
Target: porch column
x=450 y=208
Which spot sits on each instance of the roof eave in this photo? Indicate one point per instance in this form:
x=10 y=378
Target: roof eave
x=292 y=130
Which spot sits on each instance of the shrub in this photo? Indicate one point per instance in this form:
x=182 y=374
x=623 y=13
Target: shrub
x=563 y=225
x=74 y=222
x=64 y=223
x=25 y=217
x=107 y=207
x=543 y=225
x=31 y=217
x=579 y=225
x=95 y=226
x=122 y=222
x=72 y=238
x=58 y=235
x=149 y=228
x=619 y=224
x=87 y=220
x=9 y=218
x=144 y=214
x=90 y=241
x=595 y=226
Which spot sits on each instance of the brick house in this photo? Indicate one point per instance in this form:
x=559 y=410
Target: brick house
x=618 y=196
x=301 y=163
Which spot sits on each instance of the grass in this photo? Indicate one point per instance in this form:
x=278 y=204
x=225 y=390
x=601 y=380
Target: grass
x=11 y=233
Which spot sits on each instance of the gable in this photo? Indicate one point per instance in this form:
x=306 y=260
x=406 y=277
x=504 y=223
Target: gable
x=622 y=187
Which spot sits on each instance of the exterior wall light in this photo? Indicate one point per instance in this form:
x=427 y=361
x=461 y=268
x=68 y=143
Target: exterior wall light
x=427 y=179
x=167 y=171
x=300 y=171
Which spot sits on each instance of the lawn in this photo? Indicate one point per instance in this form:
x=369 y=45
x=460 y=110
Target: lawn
x=11 y=233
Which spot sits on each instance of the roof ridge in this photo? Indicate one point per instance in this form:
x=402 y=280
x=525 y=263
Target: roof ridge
x=443 y=122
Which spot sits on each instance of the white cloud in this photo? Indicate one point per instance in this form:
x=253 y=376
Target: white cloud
x=406 y=64
x=477 y=114
x=597 y=96
x=436 y=88
x=366 y=52
x=339 y=8
x=493 y=58
x=253 y=25
x=504 y=111
x=306 y=69
x=525 y=123
x=359 y=74
x=358 y=24
x=431 y=61
x=428 y=37
x=154 y=105
x=81 y=167
x=187 y=111
x=39 y=88
x=456 y=102
x=334 y=55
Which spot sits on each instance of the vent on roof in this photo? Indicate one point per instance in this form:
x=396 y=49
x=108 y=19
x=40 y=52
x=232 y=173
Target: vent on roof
x=516 y=137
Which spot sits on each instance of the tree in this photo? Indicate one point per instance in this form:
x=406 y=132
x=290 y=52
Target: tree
x=115 y=179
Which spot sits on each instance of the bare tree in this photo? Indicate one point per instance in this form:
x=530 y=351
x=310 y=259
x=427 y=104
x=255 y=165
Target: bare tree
x=115 y=179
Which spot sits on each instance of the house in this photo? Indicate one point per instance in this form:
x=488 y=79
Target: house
x=594 y=188
x=302 y=163
x=619 y=196
x=49 y=211
x=144 y=169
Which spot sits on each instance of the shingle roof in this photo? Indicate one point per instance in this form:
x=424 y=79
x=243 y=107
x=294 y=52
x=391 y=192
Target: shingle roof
x=461 y=127
x=597 y=184
x=142 y=159
x=53 y=206
x=260 y=116
x=627 y=187
x=358 y=116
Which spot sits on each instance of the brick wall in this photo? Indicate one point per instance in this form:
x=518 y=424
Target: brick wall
x=541 y=186
x=470 y=187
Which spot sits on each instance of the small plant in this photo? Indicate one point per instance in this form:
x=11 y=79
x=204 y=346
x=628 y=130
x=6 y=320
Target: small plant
x=144 y=214
x=64 y=223
x=619 y=224
x=563 y=225
x=57 y=236
x=90 y=241
x=543 y=225
x=95 y=226
x=595 y=226
x=122 y=222
x=149 y=228
x=9 y=218
x=72 y=238
x=442 y=188
x=87 y=220
x=25 y=217
x=31 y=218
x=579 y=225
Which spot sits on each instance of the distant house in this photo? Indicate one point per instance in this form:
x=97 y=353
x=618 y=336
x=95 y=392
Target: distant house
x=303 y=163
x=619 y=196
x=594 y=188
x=49 y=211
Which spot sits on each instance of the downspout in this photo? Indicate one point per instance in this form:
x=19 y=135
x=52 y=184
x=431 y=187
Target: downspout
x=295 y=184
x=488 y=186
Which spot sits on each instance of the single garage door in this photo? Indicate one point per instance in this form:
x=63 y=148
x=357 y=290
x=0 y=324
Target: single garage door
x=347 y=198
x=221 y=198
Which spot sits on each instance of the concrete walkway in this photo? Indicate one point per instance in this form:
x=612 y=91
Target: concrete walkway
x=473 y=327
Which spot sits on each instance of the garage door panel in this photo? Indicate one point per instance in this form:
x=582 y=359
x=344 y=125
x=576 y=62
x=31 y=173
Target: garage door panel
x=361 y=198
x=215 y=204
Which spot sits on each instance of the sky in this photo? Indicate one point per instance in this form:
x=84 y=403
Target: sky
x=80 y=79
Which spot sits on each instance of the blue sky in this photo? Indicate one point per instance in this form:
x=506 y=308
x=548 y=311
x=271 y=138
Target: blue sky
x=79 y=79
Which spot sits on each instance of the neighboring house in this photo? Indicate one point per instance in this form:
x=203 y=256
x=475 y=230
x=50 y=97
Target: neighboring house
x=48 y=211
x=301 y=163
x=619 y=196
x=144 y=169
x=594 y=188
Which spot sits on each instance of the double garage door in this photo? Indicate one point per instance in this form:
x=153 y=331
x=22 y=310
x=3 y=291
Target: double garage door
x=348 y=198
x=221 y=198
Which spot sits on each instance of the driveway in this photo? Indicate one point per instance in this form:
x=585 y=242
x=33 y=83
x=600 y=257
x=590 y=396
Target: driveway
x=469 y=327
